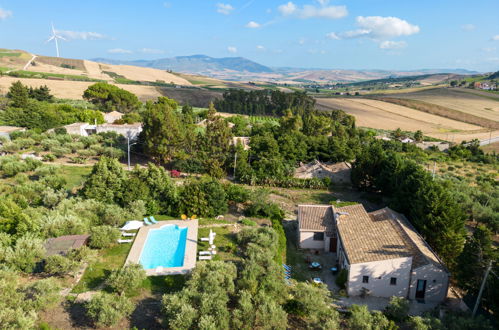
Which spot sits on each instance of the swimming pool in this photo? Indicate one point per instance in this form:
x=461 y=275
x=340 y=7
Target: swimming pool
x=164 y=247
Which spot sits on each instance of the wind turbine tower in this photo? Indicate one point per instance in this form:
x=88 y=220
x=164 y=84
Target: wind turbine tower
x=54 y=37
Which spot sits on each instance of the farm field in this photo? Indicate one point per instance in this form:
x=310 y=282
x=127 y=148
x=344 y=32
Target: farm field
x=383 y=115
x=481 y=105
x=74 y=89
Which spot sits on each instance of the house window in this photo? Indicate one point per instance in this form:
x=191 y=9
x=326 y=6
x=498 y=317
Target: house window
x=365 y=279
x=393 y=281
x=318 y=236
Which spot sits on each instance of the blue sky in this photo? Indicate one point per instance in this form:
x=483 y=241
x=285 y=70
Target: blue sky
x=348 y=34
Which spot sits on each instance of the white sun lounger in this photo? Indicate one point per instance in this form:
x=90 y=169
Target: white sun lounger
x=205 y=239
x=204 y=257
x=204 y=253
x=125 y=241
x=128 y=234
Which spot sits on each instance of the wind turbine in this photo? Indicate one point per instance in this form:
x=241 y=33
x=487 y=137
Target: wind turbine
x=54 y=37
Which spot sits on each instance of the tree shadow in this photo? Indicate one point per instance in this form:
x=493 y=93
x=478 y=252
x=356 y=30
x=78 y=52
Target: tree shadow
x=147 y=315
x=78 y=315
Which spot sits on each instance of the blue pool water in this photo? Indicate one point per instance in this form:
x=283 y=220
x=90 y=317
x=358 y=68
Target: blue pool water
x=164 y=247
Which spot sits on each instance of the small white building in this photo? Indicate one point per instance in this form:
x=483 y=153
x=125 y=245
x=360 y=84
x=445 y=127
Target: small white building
x=111 y=117
x=85 y=129
x=381 y=250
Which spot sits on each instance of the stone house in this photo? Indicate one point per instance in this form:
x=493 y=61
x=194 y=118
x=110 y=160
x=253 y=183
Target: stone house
x=382 y=252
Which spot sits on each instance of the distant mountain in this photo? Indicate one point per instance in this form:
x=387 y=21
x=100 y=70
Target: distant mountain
x=242 y=69
x=495 y=75
x=199 y=64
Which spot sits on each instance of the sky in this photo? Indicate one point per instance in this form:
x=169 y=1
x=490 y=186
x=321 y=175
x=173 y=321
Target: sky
x=339 y=34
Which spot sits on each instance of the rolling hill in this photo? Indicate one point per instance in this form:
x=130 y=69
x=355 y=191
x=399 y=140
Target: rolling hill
x=199 y=64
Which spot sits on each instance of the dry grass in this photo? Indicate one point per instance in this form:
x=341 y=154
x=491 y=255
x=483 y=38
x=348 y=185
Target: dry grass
x=383 y=115
x=442 y=111
x=74 y=89
x=144 y=74
x=475 y=104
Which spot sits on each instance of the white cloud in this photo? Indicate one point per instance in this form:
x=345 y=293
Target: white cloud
x=151 y=51
x=253 y=25
x=4 y=14
x=468 y=27
x=333 y=35
x=489 y=49
x=378 y=28
x=310 y=11
x=224 y=8
x=386 y=27
x=302 y=41
x=496 y=37
x=387 y=44
x=287 y=9
x=119 y=51
x=232 y=49
x=167 y=4
x=77 y=35
x=323 y=2
x=260 y=48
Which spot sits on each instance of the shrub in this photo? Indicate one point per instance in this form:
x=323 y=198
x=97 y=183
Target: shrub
x=60 y=152
x=46 y=170
x=342 y=278
x=248 y=222
x=74 y=146
x=86 y=153
x=42 y=294
x=103 y=236
x=107 y=309
x=397 y=309
x=11 y=147
x=49 y=144
x=59 y=265
x=60 y=130
x=78 y=160
x=113 y=152
x=49 y=157
x=237 y=193
x=126 y=279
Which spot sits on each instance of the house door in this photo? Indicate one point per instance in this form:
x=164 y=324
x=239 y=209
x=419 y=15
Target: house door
x=420 y=289
x=333 y=243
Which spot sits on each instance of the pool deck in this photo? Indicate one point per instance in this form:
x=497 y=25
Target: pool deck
x=190 y=247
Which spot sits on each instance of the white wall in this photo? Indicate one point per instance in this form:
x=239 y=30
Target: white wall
x=306 y=239
x=379 y=273
x=437 y=282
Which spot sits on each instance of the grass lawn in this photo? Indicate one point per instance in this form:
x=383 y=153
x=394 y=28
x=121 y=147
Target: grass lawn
x=294 y=257
x=211 y=221
x=95 y=274
x=74 y=175
x=225 y=242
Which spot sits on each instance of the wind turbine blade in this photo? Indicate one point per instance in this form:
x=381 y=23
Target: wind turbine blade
x=58 y=36
x=50 y=39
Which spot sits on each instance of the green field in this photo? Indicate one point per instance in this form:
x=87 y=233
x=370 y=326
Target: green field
x=9 y=54
x=74 y=175
x=43 y=75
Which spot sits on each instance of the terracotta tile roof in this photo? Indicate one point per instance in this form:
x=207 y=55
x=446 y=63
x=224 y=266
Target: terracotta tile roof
x=423 y=254
x=316 y=218
x=381 y=235
x=367 y=239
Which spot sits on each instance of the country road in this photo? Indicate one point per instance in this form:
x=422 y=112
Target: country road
x=29 y=62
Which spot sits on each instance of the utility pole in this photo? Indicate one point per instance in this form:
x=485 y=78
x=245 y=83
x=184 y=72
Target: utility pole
x=235 y=164
x=481 y=289
x=128 y=148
